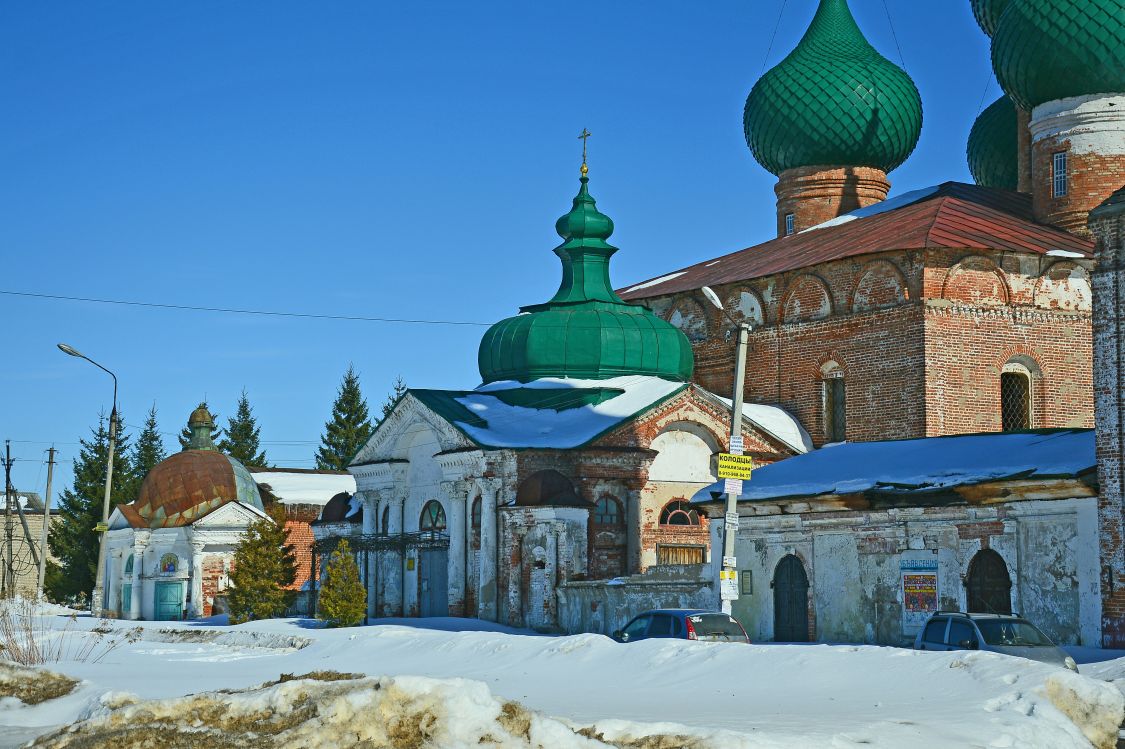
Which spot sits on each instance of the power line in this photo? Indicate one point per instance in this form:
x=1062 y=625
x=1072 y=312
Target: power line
x=233 y=310
x=773 y=36
x=894 y=36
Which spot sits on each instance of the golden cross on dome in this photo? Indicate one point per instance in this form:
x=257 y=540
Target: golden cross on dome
x=585 y=134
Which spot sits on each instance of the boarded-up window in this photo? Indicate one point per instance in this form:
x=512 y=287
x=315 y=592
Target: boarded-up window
x=677 y=554
x=1015 y=401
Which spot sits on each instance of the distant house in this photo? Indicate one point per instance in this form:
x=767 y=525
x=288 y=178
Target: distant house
x=26 y=544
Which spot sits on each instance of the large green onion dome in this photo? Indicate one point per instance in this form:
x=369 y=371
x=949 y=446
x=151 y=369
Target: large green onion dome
x=834 y=101
x=586 y=331
x=1045 y=50
x=987 y=13
x=993 y=150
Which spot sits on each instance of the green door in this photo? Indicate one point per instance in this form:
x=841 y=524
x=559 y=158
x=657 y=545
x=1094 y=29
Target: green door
x=126 y=600
x=169 y=598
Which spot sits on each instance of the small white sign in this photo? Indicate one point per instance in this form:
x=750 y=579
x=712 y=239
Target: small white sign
x=736 y=444
x=731 y=517
x=728 y=585
x=732 y=486
x=731 y=562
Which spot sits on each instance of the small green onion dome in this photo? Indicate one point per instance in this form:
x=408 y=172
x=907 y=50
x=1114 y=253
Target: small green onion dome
x=586 y=331
x=993 y=150
x=987 y=13
x=1045 y=50
x=834 y=101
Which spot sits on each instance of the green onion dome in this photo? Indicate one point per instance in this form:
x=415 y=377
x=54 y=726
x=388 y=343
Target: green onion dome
x=834 y=101
x=993 y=150
x=1045 y=50
x=586 y=331
x=987 y=13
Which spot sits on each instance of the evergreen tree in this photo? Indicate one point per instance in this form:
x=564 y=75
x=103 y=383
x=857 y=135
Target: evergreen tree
x=72 y=539
x=342 y=600
x=262 y=568
x=149 y=448
x=185 y=434
x=397 y=392
x=349 y=428
x=242 y=440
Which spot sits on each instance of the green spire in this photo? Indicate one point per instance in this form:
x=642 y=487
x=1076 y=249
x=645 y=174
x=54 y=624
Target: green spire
x=833 y=101
x=201 y=422
x=585 y=331
x=993 y=148
x=1045 y=50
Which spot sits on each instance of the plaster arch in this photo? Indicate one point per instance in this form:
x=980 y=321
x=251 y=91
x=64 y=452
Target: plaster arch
x=685 y=453
x=1065 y=286
x=746 y=305
x=808 y=298
x=976 y=281
x=688 y=316
x=879 y=284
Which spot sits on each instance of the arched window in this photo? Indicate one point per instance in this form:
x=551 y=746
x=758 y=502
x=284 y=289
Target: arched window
x=168 y=564
x=608 y=512
x=548 y=488
x=129 y=566
x=433 y=518
x=678 y=512
x=835 y=403
x=386 y=524
x=475 y=513
x=1015 y=397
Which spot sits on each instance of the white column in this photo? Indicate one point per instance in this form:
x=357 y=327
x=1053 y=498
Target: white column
x=370 y=517
x=196 y=578
x=486 y=607
x=140 y=541
x=455 y=492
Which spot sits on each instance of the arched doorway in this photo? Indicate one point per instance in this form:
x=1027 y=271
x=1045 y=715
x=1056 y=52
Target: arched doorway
x=790 y=601
x=988 y=587
x=433 y=562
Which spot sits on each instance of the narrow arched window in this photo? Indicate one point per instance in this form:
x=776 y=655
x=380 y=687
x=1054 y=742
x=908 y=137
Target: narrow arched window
x=1015 y=398
x=835 y=403
x=386 y=520
x=475 y=513
x=433 y=518
x=679 y=512
x=608 y=512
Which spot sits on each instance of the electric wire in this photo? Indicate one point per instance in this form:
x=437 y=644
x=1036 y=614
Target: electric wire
x=894 y=36
x=773 y=36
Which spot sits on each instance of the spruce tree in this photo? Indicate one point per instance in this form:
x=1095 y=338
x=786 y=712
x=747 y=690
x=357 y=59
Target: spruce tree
x=242 y=440
x=342 y=600
x=397 y=391
x=149 y=448
x=261 y=571
x=72 y=538
x=349 y=428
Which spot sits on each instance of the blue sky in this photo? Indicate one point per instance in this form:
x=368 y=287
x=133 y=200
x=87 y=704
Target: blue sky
x=371 y=159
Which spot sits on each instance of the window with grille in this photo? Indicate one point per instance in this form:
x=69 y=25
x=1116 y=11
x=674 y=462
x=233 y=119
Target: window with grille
x=1015 y=401
x=675 y=554
x=835 y=408
x=679 y=513
x=608 y=512
x=789 y=224
x=1058 y=174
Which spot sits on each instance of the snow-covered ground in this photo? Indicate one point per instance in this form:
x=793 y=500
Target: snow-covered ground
x=703 y=694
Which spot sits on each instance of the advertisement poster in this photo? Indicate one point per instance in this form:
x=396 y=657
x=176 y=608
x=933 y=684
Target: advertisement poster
x=919 y=591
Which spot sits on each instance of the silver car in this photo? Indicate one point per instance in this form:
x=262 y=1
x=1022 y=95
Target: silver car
x=1000 y=633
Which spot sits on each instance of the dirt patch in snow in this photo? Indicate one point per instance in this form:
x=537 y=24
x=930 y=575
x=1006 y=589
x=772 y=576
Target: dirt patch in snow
x=331 y=709
x=227 y=638
x=33 y=685
x=1096 y=709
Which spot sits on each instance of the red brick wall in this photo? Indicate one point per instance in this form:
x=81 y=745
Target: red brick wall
x=212 y=571
x=815 y=194
x=1091 y=178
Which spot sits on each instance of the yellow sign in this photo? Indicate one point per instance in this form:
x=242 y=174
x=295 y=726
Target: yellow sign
x=735 y=466
x=101 y=528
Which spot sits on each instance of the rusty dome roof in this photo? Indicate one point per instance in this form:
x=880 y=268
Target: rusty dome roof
x=191 y=484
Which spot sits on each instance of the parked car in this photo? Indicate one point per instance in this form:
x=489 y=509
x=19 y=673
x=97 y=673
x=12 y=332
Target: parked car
x=1000 y=633
x=683 y=624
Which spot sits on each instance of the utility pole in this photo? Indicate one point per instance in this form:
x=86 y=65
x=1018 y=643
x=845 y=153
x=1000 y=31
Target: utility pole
x=46 y=525
x=9 y=526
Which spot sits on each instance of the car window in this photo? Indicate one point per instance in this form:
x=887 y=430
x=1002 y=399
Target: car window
x=661 y=626
x=637 y=627
x=677 y=627
x=1012 y=632
x=716 y=625
x=935 y=631
x=961 y=633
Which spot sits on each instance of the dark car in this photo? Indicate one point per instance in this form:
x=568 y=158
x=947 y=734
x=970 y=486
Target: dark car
x=1001 y=633
x=683 y=624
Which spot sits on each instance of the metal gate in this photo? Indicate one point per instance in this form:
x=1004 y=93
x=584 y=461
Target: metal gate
x=988 y=586
x=433 y=574
x=169 y=602
x=790 y=601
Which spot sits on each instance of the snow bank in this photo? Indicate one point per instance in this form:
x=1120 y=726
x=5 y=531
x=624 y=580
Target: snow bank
x=1095 y=707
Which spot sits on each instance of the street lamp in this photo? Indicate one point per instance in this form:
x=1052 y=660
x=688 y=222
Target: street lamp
x=731 y=515
x=98 y=595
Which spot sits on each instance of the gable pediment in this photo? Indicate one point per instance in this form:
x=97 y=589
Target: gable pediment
x=408 y=413
x=230 y=514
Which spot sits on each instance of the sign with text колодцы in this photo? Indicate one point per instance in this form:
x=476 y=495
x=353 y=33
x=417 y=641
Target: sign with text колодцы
x=735 y=466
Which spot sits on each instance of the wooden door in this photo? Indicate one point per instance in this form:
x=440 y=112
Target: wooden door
x=790 y=601
x=988 y=586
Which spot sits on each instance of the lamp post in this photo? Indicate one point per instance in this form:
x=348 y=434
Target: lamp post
x=730 y=522
x=98 y=596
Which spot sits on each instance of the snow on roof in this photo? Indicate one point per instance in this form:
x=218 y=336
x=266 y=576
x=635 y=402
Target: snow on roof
x=1064 y=253
x=875 y=209
x=777 y=422
x=503 y=425
x=920 y=464
x=304 y=487
x=656 y=281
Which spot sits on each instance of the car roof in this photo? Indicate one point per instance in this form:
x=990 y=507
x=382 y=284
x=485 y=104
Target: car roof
x=679 y=611
x=978 y=615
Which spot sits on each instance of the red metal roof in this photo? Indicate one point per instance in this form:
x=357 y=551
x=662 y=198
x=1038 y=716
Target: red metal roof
x=954 y=215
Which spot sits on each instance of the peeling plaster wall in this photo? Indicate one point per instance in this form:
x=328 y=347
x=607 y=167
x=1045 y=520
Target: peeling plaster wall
x=540 y=547
x=853 y=562
x=603 y=606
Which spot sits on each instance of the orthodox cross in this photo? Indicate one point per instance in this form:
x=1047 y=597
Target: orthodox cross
x=585 y=134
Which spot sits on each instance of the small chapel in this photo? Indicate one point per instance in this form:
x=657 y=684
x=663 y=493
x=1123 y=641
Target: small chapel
x=542 y=496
